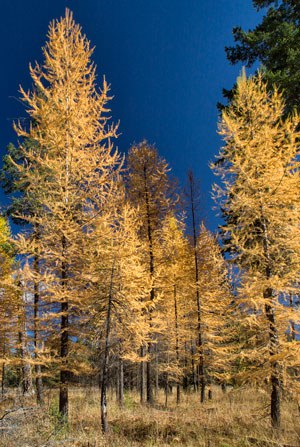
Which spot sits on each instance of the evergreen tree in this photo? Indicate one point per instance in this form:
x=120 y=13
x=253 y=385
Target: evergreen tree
x=275 y=43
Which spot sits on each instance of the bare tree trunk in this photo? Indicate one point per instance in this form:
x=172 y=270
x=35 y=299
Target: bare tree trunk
x=224 y=387
x=152 y=293
x=26 y=381
x=194 y=371
x=3 y=366
x=198 y=300
x=149 y=376
x=64 y=344
x=3 y=379
x=166 y=390
x=121 y=379
x=118 y=384
x=26 y=378
x=156 y=372
x=104 y=382
x=38 y=372
x=142 y=376
x=293 y=331
x=177 y=341
x=210 y=394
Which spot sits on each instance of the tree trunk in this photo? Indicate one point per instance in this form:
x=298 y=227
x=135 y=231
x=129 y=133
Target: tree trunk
x=142 y=376
x=156 y=372
x=149 y=388
x=166 y=390
x=224 y=387
x=275 y=367
x=121 y=380
x=38 y=379
x=152 y=293
x=176 y=341
x=3 y=379
x=276 y=383
x=26 y=378
x=64 y=344
x=293 y=331
x=104 y=382
x=3 y=366
x=194 y=371
x=198 y=300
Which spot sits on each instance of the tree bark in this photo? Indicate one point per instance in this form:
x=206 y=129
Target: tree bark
x=104 y=382
x=156 y=373
x=166 y=390
x=142 y=376
x=176 y=342
x=26 y=378
x=121 y=379
x=293 y=331
x=38 y=372
x=198 y=299
x=152 y=293
x=64 y=344
x=276 y=382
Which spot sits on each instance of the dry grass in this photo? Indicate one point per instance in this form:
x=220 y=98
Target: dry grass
x=238 y=419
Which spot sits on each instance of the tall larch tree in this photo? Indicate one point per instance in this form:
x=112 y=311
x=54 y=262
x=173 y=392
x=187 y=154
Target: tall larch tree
x=216 y=307
x=192 y=193
x=150 y=188
x=177 y=302
x=118 y=278
x=261 y=193
x=70 y=171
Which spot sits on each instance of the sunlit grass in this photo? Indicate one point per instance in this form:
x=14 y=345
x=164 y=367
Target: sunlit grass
x=238 y=418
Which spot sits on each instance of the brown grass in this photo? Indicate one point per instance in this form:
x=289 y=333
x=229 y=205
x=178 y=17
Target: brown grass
x=237 y=419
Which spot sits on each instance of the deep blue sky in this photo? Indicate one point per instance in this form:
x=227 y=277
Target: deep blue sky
x=165 y=61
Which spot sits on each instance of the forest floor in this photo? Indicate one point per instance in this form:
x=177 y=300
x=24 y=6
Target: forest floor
x=238 y=418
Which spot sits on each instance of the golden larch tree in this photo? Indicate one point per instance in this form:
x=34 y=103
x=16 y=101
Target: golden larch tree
x=260 y=200
x=70 y=173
